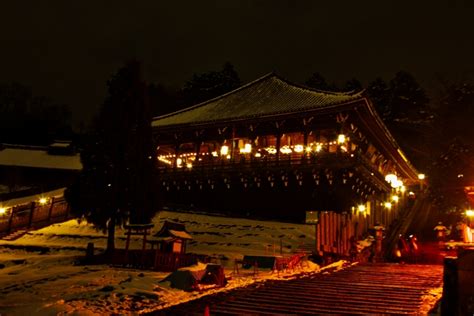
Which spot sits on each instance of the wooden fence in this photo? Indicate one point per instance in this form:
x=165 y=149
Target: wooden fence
x=151 y=259
x=34 y=215
x=337 y=233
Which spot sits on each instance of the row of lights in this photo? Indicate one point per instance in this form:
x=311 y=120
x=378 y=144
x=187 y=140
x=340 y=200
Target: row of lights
x=41 y=201
x=387 y=205
x=247 y=149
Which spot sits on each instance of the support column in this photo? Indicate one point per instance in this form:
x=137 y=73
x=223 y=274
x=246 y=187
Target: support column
x=305 y=143
x=278 y=145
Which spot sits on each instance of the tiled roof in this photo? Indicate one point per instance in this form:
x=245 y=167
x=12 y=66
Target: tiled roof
x=269 y=95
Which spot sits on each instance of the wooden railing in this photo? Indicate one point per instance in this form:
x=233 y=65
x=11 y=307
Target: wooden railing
x=151 y=259
x=34 y=215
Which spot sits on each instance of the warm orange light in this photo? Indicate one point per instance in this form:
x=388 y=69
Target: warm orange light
x=361 y=208
x=388 y=205
x=421 y=176
x=3 y=210
x=224 y=150
x=341 y=139
x=470 y=213
x=299 y=148
x=395 y=198
x=43 y=201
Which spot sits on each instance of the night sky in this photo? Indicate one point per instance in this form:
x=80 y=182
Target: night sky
x=68 y=49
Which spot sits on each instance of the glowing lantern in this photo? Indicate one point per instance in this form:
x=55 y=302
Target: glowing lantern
x=189 y=165
x=341 y=139
x=318 y=147
x=421 y=176
x=224 y=150
x=247 y=149
x=395 y=198
x=470 y=213
x=388 y=205
x=361 y=208
x=3 y=210
x=285 y=150
x=43 y=201
x=179 y=162
x=299 y=148
x=391 y=178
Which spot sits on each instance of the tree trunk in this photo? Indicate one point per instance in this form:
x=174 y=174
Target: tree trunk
x=110 y=235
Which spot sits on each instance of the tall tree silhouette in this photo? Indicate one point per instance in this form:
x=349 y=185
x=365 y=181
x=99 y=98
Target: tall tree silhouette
x=352 y=85
x=29 y=119
x=379 y=93
x=116 y=184
x=408 y=99
x=205 y=86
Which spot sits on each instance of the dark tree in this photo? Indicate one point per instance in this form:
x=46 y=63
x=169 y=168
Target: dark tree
x=407 y=99
x=379 y=93
x=116 y=184
x=28 y=119
x=455 y=113
x=163 y=99
x=352 y=85
x=203 y=87
x=317 y=81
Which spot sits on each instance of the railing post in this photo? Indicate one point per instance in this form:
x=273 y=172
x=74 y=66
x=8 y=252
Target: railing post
x=50 y=209
x=32 y=209
x=10 y=220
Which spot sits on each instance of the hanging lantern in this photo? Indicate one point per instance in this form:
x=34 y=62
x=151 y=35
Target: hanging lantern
x=224 y=150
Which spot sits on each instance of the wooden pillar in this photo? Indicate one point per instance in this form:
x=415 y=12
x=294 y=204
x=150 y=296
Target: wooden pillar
x=145 y=233
x=127 y=243
x=198 y=151
x=318 y=234
x=176 y=154
x=305 y=143
x=278 y=145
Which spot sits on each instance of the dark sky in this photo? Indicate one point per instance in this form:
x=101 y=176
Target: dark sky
x=68 y=49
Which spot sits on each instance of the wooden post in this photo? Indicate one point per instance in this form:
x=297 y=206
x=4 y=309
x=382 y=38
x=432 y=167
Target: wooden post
x=32 y=209
x=318 y=236
x=176 y=154
x=127 y=243
x=50 y=209
x=198 y=151
x=145 y=233
x=10 y=220
x=450 y=299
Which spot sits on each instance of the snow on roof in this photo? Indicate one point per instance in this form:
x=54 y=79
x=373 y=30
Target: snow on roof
x=180 y=234
x=32 y=198
x=60 y=145
x=37 y=158
x=171 y=229
x=268 y=95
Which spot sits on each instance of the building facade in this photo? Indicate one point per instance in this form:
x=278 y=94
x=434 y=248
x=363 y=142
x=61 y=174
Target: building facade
x=275 y=149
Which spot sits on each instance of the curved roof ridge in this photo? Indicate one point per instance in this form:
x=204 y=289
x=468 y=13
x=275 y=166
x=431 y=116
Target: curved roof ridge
x=192 y=107
x=302 y=86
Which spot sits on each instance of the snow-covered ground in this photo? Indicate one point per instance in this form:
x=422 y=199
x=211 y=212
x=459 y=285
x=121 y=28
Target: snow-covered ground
x=38 y=275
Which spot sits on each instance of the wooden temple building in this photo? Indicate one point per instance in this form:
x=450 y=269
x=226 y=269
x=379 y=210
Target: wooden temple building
x=274 y=149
